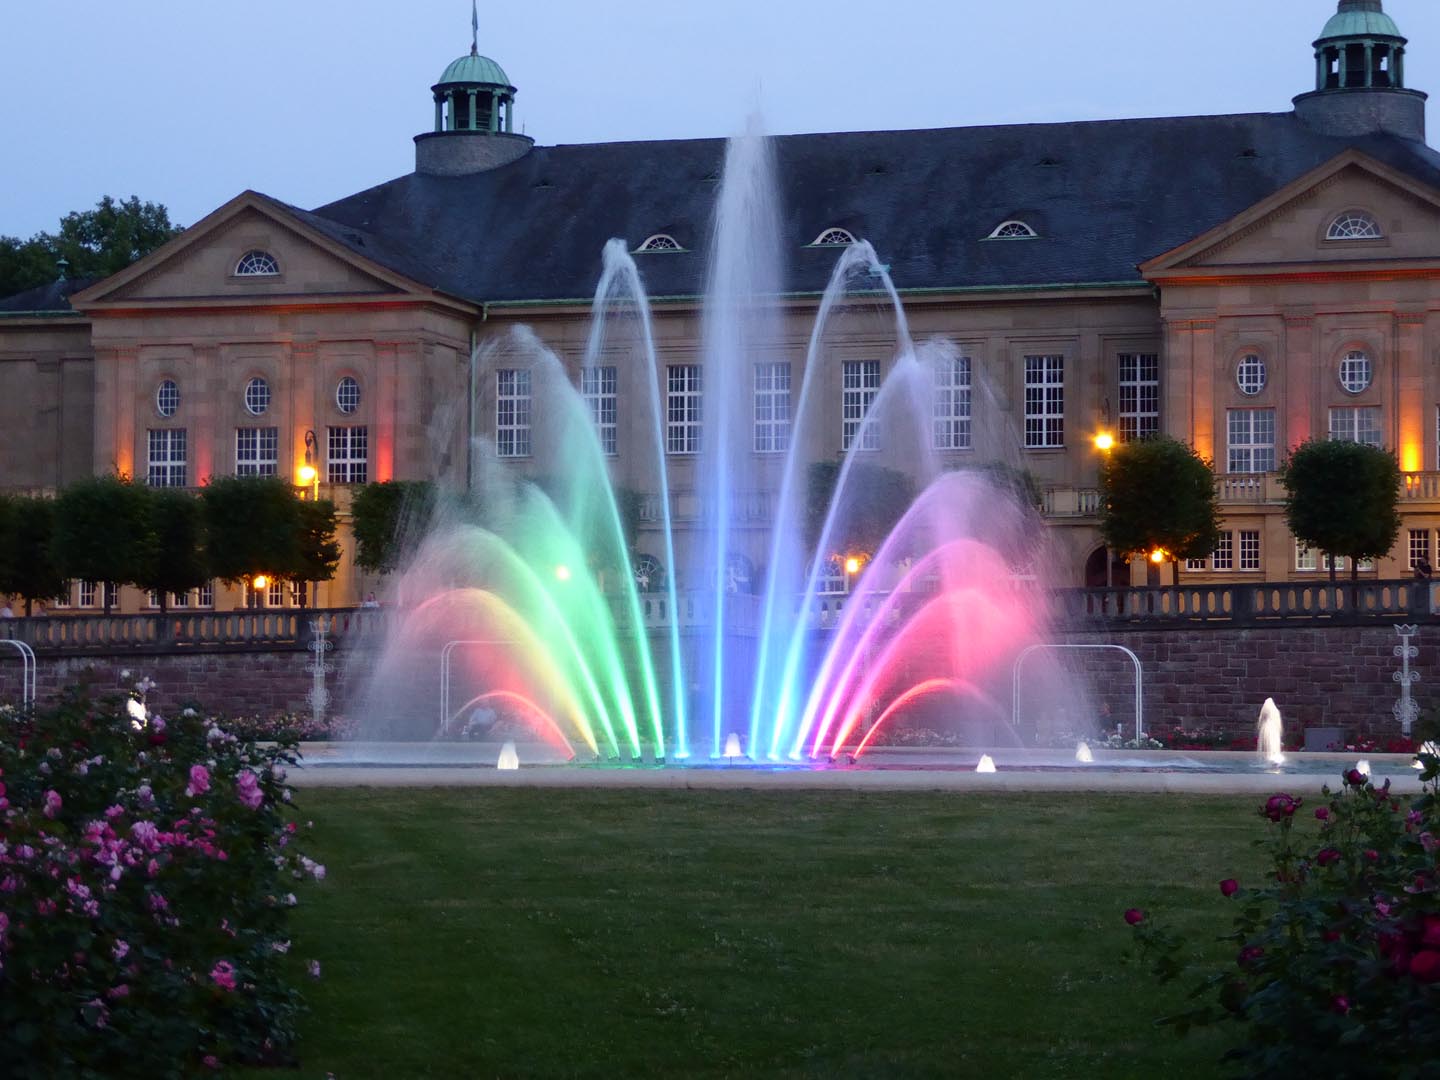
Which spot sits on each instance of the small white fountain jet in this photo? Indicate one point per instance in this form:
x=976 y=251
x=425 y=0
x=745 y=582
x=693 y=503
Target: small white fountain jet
x=1271 y=734
x=1363 y=766
x=732 y=747
x=1083 y=754
x=987 y=764
x=509 y=758
x=1426 y=748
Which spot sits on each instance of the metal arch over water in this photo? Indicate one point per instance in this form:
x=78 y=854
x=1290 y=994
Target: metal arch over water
x=445 y=656
x=1139 y=680
x=27 y=670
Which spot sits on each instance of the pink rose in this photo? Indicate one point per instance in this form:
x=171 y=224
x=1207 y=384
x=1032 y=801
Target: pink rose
x=1425 y=966
x=1134 y=916
x=53 y=802
x=1340 y=1004
x=1229 y=887
x=1281 y=806
x=1322 y=813
x=1328 y=856
x=223 y=975
x=247 y=790
x=199 y=781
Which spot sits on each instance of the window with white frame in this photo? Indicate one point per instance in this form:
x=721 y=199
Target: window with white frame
x=1139 y=396
x=1224 y=557
x=63 y=597
x=89 y=594
x=1196 y=564
x=682 y=408
x=275 y=594
x=167 y=397
x=112 y=594
x=1249 y=549
x=1251 y=374
x=1354 y=225
x=205 y=595
x=833 y=238
x=180 y=599
x=257 y=264
x=1012 y=230
x=860 y=386
x=952 y=403
x=257 y=396
x=1356 y=371
x=1419 y=547
x=166 y=466
x=659 y=242
x=152 y=598
x=348 y=457
x=257 y=451
x=832 y=579
x=1360 y=423
x=1044 y=401
x=1305 y=558
x=512 y=412
x=772 y=407
x=347 y=394
x=598 y=387
x=1251 y=440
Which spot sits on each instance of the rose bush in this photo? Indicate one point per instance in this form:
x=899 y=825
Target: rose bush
x=147 y=869
x=1336 y=967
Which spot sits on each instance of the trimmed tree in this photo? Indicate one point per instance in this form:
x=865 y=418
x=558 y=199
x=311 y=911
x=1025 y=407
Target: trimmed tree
x=103 y=532
x=386 y=518
x=27 y=561
x=1343 y=499
x=178 y=564
x=874 y=500
x=318 y=552
x=1159 y=494
x=252 y=527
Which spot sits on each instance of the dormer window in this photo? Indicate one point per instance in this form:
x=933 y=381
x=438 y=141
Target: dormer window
x=833 y=238
x=1354 y=225
x=1013 y=230
x=659 y=242
x=257 y=264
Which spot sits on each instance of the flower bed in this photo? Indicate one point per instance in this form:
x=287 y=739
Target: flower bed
x=147 y=869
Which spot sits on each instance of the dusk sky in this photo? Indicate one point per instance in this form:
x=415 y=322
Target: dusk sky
x=189 y=103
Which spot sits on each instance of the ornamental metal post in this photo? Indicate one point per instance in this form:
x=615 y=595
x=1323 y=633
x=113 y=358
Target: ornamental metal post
x=319 y=697
x=1405 y=709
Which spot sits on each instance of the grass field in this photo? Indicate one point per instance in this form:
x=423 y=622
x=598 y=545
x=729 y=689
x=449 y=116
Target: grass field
x=514 y=933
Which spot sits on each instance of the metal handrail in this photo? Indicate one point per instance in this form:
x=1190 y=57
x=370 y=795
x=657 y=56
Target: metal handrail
x=1015 y=677
x=27 y=670
x=445 y=654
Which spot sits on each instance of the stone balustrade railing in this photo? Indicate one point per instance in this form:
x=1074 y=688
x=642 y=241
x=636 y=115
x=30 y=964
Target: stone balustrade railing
x=209 y=630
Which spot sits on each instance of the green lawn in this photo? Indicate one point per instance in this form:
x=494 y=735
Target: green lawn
x=474 y=932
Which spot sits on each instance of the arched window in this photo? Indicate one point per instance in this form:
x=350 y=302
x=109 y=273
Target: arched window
x=257 y=396
x=649 y=574
x=1356 y=371
x=1013 y=230
x=833 y=238
x=167 y=398
x=347 y=395
x=1354 y=225
x=659 y=242
x=1250 y=374
x=257 y=264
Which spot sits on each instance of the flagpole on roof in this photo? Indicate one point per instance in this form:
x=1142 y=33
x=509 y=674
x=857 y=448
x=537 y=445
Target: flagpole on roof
x=474 y=29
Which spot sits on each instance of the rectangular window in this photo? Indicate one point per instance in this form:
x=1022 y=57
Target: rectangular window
x=62 y=598
x=1249 y=549
x=1139 y=396
x=1357 y=424
x=180 y=599
x=597 y=386
x=952 y=403
x=512 y=412
x=1252 y=440
x=682 y=408
x=1419 y=547
x=167 y=458
x=1195 y=564
x=152 y=598
x=88 y=594
x=112 y=594
x=1044 y=402
x=257 y=451
x=1305 y=558
x=861 y=383
x=205 y=595
x=1224 y=557
x=348 y=460
x=772 y=408
x=275 y=594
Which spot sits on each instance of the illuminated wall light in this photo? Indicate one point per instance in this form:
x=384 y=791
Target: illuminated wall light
x=1158 y=556
x=1104 y=441
x=852 y=565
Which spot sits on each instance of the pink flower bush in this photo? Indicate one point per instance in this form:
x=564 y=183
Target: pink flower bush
x=1229 y=887
x=247 y=790
x=223 y=975
x=199 y=781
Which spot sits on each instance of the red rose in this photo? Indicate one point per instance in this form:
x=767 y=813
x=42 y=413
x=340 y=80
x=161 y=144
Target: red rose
x=1340 y=1004
x=1371 y=855
x=1229 y=887
x=1425 y=966
x=1431 y=934
x=1281 y=806
x=1328 y=856
x=1134 y=916
x=1355 y=778
x=1249 y=955
x=1322 y=813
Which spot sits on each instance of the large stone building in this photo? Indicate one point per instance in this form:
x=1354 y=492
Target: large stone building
x=1242 y=282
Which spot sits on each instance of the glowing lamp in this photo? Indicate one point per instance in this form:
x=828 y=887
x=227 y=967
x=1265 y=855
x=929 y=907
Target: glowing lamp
x=260 y=581
x=1157 y=556
x=852 y=565
x=1104 y=441
x=562 y=572
x=1410 y=459
x=306 y=475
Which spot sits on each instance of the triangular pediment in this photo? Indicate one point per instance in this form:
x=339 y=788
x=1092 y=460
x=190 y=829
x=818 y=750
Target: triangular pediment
x=1291 y=228
x=201 y=264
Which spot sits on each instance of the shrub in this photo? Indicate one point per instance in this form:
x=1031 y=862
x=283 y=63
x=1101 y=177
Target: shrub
x=1336 y=966
x=146 y=872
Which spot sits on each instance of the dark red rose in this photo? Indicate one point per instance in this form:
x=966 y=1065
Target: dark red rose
x=1281 y=806
x=1430 y=934
x=1355 y=778
x=1322 y=813
x=1425 y=966
x=1134 y=916
x=1340 y=1004
x=1229 y=887
x=1371 y=855
x=1249 y=955
x=1328 y=856
x=1330 y=935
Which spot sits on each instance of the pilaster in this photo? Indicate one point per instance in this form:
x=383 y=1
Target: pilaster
x=1410 y=390
x=1297 y=352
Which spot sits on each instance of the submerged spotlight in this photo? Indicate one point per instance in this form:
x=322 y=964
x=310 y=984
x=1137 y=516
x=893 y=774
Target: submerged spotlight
x=562 y=572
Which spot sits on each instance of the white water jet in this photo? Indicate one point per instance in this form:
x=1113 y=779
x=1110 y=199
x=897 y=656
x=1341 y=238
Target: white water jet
x=732 y=747
x=1363 y=766
x=987 y=764
x=509 y=758
x=1083 y=754
x=1271 y=734
x=1425 y=748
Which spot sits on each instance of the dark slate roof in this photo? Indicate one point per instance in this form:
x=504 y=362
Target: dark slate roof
x=1104 y=196
x=49 y=298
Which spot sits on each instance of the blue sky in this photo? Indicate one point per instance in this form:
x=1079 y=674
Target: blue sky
x=189 y=102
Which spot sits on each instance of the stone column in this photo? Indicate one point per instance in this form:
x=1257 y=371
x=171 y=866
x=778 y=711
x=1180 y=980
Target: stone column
x=1176 y=380
x=1369 y=64
x=1410 y=390
x=493 y=122
x=509 y=117
x=116 y=395
x=470 y=124
x=208 y=439
x=439 y=112
x=386 y=390
x=304 y=406
x=1320 y=72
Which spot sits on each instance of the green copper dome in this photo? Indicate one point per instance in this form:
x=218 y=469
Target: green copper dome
x=1360 y=19
x=474 y=69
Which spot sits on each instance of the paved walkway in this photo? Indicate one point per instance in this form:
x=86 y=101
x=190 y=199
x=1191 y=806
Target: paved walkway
x=472 y=765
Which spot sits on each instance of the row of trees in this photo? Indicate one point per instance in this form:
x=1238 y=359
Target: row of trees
x=111 y=530
x=1342 y=500
x=94 y=243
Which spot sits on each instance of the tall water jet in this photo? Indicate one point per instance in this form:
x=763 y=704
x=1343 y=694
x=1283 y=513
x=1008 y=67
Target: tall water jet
x=986 y=765
x=1270 y=734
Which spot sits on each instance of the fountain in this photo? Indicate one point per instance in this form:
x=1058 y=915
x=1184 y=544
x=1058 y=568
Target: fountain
x=986 y=764
x=1271 y=734
x=1083 y=753
x=509 y=757
x=528 y=587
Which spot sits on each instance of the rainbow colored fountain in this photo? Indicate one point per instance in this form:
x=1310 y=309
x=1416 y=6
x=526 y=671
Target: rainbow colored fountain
x=525 y=611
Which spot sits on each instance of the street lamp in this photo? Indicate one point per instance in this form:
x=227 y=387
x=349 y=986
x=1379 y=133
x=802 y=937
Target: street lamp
x=257 y=590
x=307 y=474
x=1104 y=442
